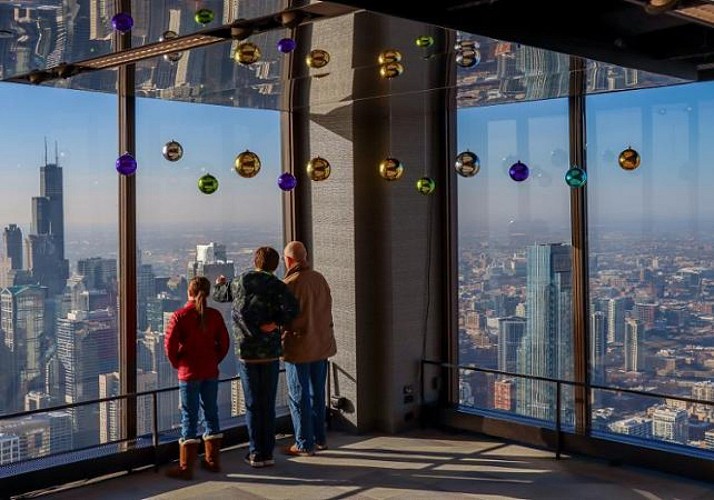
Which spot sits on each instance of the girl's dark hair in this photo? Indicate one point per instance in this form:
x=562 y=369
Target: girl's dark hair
x=267 y=259
x=199 y=288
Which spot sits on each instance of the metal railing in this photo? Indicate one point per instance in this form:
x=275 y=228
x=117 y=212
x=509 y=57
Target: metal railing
x=559 y=383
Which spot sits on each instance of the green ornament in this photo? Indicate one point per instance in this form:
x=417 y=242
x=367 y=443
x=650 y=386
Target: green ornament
x=424 y=41
x=208 y=184
x=576 y=177
x=426 y=185
x=204 y=16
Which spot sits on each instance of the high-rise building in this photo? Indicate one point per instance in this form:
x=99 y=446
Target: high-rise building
x=646 y=313
x=152 y=360
x=510 y=334
x=635 y=426
x=703 y=390
x=616 y=320
x=670 y=424
x=98 y=273
x=9 y=448
x=504 y=394
x=546 y=349
x=86 y=347
x=12 y=246
x=598 y=347
x=22 y=321
x=634 y=345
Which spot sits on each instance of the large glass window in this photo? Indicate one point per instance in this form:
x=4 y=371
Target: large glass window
x=184 y=232
x=515 y=259
x=651 y=264
x=58 y=266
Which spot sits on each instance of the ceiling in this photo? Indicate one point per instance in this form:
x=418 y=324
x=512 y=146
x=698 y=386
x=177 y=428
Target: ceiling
x=677 y=42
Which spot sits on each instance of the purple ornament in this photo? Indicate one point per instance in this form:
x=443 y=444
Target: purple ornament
x=286 y=45
x=126 y=164
x=122 y=22
x=518 y=171
x=287 y=181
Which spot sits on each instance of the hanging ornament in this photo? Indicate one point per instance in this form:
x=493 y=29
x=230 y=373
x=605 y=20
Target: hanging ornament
x=207 y=184
x=391 y=70
x=426 y=185
x=629 y=159
x=391 y=169
x=247 y=53
x=467 y=164
x=172 y=151
x=204 y=16
x=317 y=58
x=126 y=164
x=389 y=56
x=122 y=22
x=518 y=171
x=286 y=45
x=287 y=181
x=318 y=169
x=424 y=41
x=173 y=57
x=461 y=45
x=247 y=164
x=167 y=35
x=468 y=58
x=576 y=177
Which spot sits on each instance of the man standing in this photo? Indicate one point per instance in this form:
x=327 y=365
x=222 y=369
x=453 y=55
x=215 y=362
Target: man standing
x=308 y=340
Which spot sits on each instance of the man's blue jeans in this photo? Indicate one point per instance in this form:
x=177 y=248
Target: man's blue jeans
x=193 y=393
x=260 y=386
x=306 y=399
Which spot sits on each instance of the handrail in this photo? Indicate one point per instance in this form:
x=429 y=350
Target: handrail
x=558 y=391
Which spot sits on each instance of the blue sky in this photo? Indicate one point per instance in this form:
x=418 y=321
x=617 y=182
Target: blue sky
x=673 y=182
x=84 y=125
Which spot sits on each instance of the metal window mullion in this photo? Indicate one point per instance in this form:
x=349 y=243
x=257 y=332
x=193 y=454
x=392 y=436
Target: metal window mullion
x=127 y=294
x=580 y=253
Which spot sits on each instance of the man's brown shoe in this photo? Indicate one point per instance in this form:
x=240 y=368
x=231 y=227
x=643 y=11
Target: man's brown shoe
x=294 y=451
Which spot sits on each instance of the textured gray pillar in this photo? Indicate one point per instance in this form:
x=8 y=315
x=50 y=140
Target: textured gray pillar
x=380 y=244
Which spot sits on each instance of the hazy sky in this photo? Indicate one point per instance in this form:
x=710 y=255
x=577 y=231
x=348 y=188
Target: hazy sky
x=671 y=128
x=84 y=125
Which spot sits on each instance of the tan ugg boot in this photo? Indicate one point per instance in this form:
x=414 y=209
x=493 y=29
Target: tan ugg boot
x=211 y=460
x=188 y=451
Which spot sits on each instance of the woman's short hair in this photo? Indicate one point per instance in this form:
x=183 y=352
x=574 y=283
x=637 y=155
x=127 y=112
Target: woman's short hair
x=267 y=259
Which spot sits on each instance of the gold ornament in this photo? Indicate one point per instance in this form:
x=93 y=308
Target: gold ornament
x=389 y=56
x=317 y=58
x=629 y=159
x=391 y=70
x=391 y=169
x=247 y=164
x=467 y=164
x=247 y=53
x=318 y=169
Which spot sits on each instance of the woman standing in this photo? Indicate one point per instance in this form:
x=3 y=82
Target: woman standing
x=196 y=342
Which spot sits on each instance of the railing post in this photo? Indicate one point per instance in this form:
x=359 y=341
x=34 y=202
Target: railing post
x=557 y=419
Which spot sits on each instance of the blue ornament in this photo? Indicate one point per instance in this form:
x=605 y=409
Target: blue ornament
x=518 y=171
x=122 y=22
x=286 y=45
x=287 y=181
x=576 y=177
x=126 y=164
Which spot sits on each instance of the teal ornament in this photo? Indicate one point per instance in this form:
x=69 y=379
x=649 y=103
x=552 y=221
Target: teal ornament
x=204 y=16
x=168 y=35
x=576 y=177
x=207 y=184
x=424 y=41
x=467 y=164
x=426 y=185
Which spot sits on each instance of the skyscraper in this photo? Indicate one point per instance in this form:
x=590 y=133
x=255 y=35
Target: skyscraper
x=510 y=335
x=634 y=348
x=46 y=241
x=12 y=246
x=546 y=349
x=670 y=424
x=598 y=347
x=616 y=320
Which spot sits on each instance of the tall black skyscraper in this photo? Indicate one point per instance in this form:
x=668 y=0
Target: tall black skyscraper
x=12 y=245
x=46 y=241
